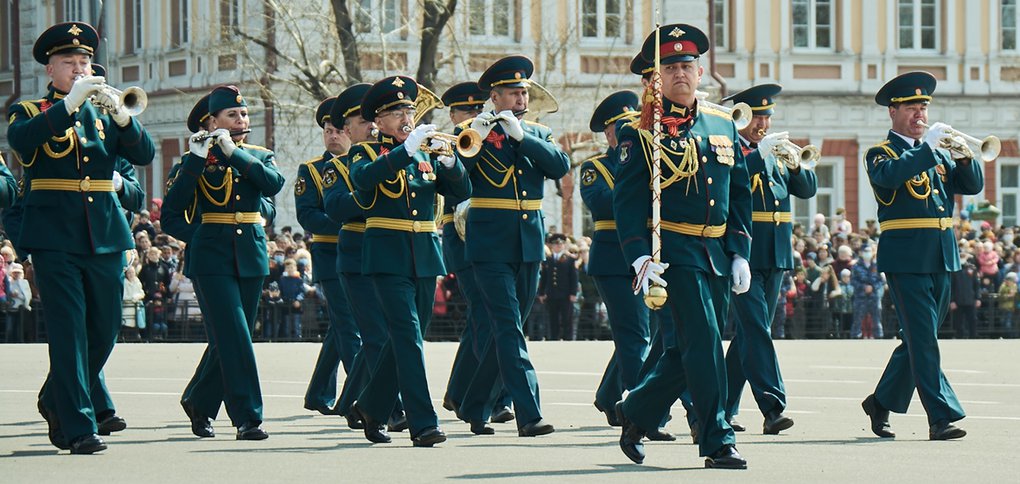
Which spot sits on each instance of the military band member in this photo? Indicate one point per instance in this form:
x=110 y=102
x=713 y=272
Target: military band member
x=203 y=395
x=751 y=356
x=465 y=101
x=401 y=251
x=915 y=180
x=226 y=180
x=505 y=239
x=342 y=205
x=342 y=341
x=706 y=211
x=72 y=223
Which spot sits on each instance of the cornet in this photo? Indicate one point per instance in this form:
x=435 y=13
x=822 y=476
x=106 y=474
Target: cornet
x=989 y=147
x=467 y=144
x=132 y=100
x=806 y=156
x=740 y=113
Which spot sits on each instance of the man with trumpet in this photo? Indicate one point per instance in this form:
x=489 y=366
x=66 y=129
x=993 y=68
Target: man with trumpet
x=505 y=239
x=73 y=223
x=774 y=165
x=702 y=194
x=398 y=178
x=915 y=180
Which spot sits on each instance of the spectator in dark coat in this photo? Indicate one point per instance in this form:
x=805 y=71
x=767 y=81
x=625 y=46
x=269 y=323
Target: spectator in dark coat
x=557 y=289
x=964 y=301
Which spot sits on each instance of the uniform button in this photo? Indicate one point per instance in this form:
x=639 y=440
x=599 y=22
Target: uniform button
x=524 y=217
x=709 y=180
x=524 y=193
x=698 y=138
x=410 y=176
x=711 y=203
x=413 y=195
x=942 y=209
x=935 y=191
x=772 y=184
x=777 y=203
x=90 y=200
x=85 y=159
x=414 y=212
x=237 y=180
x=84 y=140
x=520 y=172
x=239 y=232
x=704 y=159
x=237 y=197
x=77 y=124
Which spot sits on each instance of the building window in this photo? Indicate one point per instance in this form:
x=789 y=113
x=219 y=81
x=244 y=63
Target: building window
x=71 y=11
x=230 y=12
x=133 y=20
x=7 y=35
x=602 y=19
x=721 y=23
x=378 y=16
x=918 y=24
x=179 y=23
x=1009 y=191
x=828 y=196
x=1008 y=19
x=812 y=24
x=491 y=18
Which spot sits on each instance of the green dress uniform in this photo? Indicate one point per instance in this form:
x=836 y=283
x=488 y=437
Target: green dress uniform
x=505 y=239
x=228 y=258
x=342 y=341
x=465 y=95
x=628 y=315
x=751 y=356
x=915 y=187
x=341 y=205
x=401 y=256
x=69 y=160
x=706 y=217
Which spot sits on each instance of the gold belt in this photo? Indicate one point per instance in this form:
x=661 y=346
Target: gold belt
x=232 y=218
x=416 y=226
x=944 y=223
x=65 y=185
x=777 y=217
x=696 y=230
x=326 y=239
x=605 y=225
x=354 y=227
x=445 y=219
x=506 y=204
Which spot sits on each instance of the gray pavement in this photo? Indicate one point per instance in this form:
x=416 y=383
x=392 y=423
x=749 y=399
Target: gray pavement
x=826 y=381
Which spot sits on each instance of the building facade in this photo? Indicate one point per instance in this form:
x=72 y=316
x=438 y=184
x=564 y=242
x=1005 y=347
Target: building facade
x=831 y=56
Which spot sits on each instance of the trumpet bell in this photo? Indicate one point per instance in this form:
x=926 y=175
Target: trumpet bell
x=741 y=115
x=990 y=148
x=469 y=143
x=134 y=100
x=810 y=154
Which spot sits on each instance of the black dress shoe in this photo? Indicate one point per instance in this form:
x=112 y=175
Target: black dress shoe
x=776 y=422
x=610 y=415
x=323 y=409
x=449 y=404
x=660 y=435
x=737 y=426
x=726 y=458
x=879 y=417
x=87 y=444
x=110 y=424
x=200 y=426
x=630 y=437
x=251 y=431
x=945 y=431
x=53 y=428
x=353 y=422
x=429 y=437
x=375 y=432
x=482 y=428
x=694 y=434
x=535 y=428
x=502 y=415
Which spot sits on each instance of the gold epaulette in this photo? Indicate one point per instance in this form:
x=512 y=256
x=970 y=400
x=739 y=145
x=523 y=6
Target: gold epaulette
x=536 y=124
x=311 y=161
x=257 y=147
x=634 y=124
x=886 y=148
x=594 y=158
x=714 y=112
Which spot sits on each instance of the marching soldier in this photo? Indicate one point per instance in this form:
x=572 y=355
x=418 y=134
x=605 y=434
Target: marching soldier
x=705 y=209
x=751 y=355
x=226 y=180
x=203 y=395
x=401 y=251
x=342 y=340
x=915 y=180
x=341 y=204
x=465 y=101
x=73 y=226
x=504 y=239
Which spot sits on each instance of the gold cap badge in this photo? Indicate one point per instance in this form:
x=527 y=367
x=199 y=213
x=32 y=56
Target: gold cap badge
x=677 y=32
x=74 y=30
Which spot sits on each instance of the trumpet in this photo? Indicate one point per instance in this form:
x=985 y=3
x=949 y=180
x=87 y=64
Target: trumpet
x=467 y=144
x=199 y=139
x=988 y=147
x=740 y=113
x=132 y=100
x=806 y=156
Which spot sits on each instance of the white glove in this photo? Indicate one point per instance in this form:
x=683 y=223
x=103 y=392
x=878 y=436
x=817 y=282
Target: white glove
x=648 y=270
x=81 y=90
x=225 y=141
x=483 y=123
x=118 y=181
x=511 y=125
x=770 y=141
x=416 y=137
x=199 y=148
x=936 y=133
x=120 y=116
x=447 y=161
x=741 y=272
